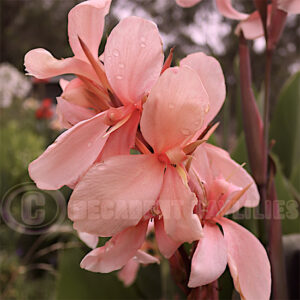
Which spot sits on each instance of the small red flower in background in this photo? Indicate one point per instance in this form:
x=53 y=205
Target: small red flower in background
x=45 y=110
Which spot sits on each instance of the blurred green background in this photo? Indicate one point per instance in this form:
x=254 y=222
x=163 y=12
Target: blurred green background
x=46 y=266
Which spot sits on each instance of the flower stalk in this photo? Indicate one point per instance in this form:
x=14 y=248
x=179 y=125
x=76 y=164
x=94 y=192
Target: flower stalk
x=258 y=150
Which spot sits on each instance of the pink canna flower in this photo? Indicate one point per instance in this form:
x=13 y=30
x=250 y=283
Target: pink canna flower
x=250 y=24
x=222 y=186
x=124 y=190
x=101 y=123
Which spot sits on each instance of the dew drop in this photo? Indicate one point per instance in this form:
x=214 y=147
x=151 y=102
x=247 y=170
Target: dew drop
x=143 y=39
x=109 y=57
x=119 y=77
x=89 y=145
x=185 y=131
x=143 y=45
x=116 y=52
x=121 y=66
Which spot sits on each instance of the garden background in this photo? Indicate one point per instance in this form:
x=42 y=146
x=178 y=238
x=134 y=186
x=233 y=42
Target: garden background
x=46 y=265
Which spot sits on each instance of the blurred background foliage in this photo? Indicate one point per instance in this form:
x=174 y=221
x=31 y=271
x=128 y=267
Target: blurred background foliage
x=47 y=266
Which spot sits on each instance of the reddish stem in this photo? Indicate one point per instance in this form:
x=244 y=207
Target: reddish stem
x=253 y=125
x=257 y=136
x=275 y=248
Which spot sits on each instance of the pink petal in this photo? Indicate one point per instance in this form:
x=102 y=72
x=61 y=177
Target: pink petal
x=210 y=258
x=145 y=258
x=117 y=251
x=77 y=93
x=200 y=167
x=41 y=64
x=222 y=164
x=252 y=27
x=89 y=239
x=212 y=78
x=70 y=155
x=166 y=245
x=70 y=114
x=133 y=58
x=175 y=109
x=63 y=83
x=226 y=9
x=177 y=203
x=289 y=6
x=123 y=139
x=187 y=3
x=116 y=194
x=128 y=273
x=86 y=20
x=220 y=193
x=248 y=262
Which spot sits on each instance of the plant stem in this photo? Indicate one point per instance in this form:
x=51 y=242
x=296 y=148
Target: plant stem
x=273 y=228
x=257 y=139
x=253 y=125
x=266 y=114
x=275 y=249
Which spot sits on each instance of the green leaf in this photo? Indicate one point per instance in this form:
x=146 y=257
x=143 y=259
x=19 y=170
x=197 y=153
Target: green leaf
x=239 y=154
x=288 y=205
x=295 y=176
x=149 y=281
x=225 y=286
x=285 y=127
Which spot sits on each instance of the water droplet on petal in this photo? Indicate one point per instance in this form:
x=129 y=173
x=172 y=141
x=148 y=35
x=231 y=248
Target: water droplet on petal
x=143 y=39
x=109 y=57
x=89 y=145
x=185 y=131
x=116 y=52
x=143 y=45
x=119 y=77
x=121 y=66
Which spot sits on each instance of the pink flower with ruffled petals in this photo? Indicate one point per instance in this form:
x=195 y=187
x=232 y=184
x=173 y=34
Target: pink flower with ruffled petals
x=222 y=186
x=102 y=124
x=125 y=191
x=250 y=24
x=124 y=188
